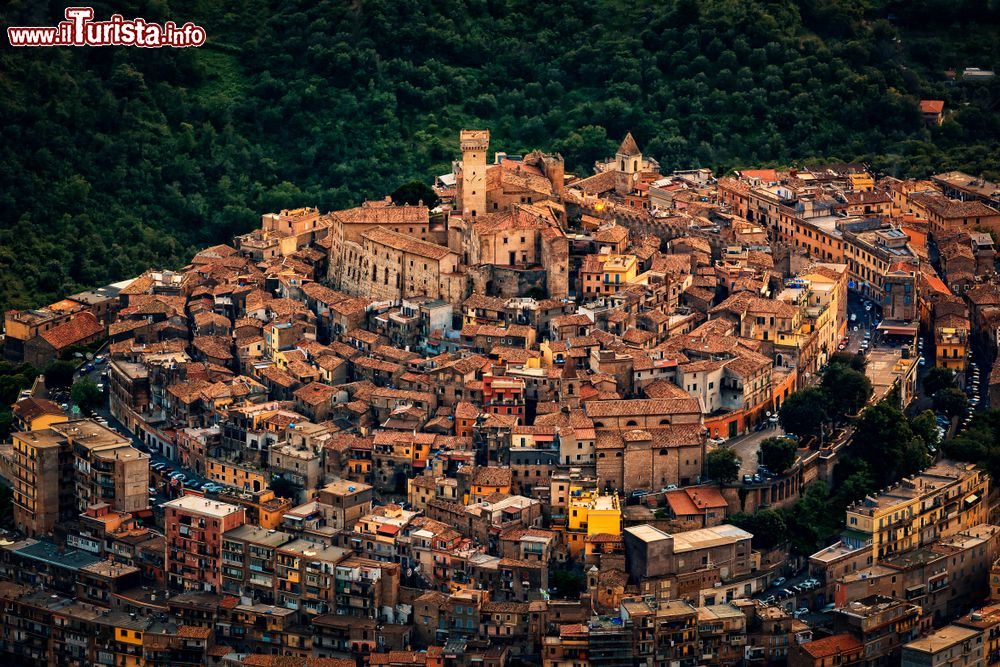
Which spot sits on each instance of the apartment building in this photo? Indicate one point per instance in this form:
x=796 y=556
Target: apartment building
x=591 y=513
x=61 y=470
x=194 y=529
x=882 y=625
x=951 y=646
x=944 y=499
x=871 y=251
x=681 y=565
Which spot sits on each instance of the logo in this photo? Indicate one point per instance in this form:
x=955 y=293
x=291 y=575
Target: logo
x=79 y=29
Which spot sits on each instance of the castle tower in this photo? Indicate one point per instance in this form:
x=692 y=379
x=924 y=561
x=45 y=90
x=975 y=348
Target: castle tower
x=629 y=159
x=474 y=146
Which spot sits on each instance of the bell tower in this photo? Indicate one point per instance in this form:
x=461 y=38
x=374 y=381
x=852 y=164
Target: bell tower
x=474 y=146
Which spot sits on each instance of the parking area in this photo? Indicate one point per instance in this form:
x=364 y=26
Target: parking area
x=799 y=595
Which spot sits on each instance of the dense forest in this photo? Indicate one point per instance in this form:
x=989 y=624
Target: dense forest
x=114 y=159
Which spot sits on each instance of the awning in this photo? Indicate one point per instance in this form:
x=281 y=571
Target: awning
x=971 y=499
x=898 y=329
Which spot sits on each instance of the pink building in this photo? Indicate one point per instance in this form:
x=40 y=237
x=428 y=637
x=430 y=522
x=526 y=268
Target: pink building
x=194 y=527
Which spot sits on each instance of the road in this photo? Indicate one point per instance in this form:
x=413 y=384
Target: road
x=746 y=447
x=98 y=374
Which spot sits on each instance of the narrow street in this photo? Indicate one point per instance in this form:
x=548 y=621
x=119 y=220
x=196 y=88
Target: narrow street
x=746 y=447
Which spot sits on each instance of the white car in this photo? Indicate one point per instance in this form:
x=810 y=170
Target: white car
x=801 y=611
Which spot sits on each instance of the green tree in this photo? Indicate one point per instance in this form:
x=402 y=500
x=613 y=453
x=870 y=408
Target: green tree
x=804 y=412
x=884 y=440
x=778 y=454
x=415 y=192
x=854 y=488
x=936 y=379
x=86 y=395
x=769 y=527
x=925 y=425
x=847 y=389
x=567 y=584
x=854 y=361
x=980 y=443
x=722 y=465
x=951 y=401
x=810 y=522
x=59 y=374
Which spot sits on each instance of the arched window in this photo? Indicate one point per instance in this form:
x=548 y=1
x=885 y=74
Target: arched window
x=665 y=422
x=663 y=452
x=631 y=422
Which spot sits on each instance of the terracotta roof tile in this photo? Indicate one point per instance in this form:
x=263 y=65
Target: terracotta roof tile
x=78 y=329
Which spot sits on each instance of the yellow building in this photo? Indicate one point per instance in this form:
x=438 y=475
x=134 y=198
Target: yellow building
x=943 y=500
x=820 y=293
x=591 y=513
x=861 y=181
x=128 y=644
x=951 y=336
x=35 y=414
x=607 y=273
x=238 y=476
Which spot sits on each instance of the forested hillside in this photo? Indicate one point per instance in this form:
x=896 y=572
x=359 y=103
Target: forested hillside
x=114 y=159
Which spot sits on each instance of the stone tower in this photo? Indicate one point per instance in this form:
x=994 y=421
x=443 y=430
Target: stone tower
x=474 y=146
x=629 y=159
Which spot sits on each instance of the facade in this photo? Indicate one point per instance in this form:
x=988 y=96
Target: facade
x=62 y=469
x=194 y=529
x=941 y=501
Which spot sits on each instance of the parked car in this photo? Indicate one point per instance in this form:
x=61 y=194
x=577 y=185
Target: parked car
x=757 y=479
x=152 y=490
x=780 y=581
x=747 y=479
x=801 y=611
x=829 y=607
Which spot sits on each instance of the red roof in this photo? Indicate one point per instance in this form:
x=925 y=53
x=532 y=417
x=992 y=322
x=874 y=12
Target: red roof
x=931 y=106
x=762 y=174
x=82 y=327
x=831 y=646
x=936 y=284
x=680 y=503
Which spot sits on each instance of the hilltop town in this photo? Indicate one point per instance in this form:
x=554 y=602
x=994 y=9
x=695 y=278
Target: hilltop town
x=533 y=417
